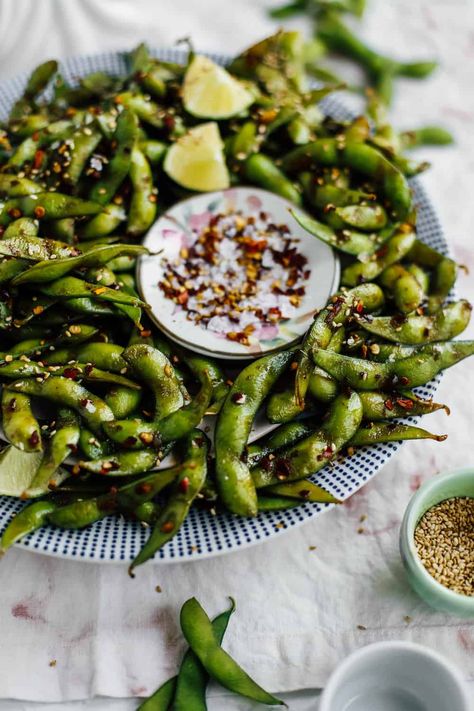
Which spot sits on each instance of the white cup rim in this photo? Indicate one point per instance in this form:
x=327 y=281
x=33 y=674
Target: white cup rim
x=376 y=650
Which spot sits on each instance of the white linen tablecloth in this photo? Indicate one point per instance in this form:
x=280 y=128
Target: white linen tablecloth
x=71 y=630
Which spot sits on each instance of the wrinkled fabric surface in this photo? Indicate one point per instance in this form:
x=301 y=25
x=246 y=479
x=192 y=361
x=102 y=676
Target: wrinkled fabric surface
x=73 y=630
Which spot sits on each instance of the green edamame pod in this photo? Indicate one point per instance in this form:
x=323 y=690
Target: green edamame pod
x=118 y=167
x=36 y=249
x=392 y=251
x=29 y=519
x=284 y=436
x=191 y=478
x=142 y=210
x=363 y=217
x=416 y=369
x=426 y=136
x=50 y=270
x=262 y=171
x=162 y=698
x=312 y=453
x=359 y=157
x=192 y=677
x=12 y=186
x=136 y=433
x=348 y=241
x=84 y=142
x=62 y=443
x=391 y=432
x=91 y=446
x=51 y=206
x=70 y=394
x=304 y=490
x=123 y=463
x=200 y=636
x=106 y=356
x=405 y=288
x=413 y=329
x=20 y=426
x=104 y=223
x=153 y=368
x=234 y=422
x=123 y=401
x=79 y=514
x=276 y=503
x=379 y=405
x=69 y=287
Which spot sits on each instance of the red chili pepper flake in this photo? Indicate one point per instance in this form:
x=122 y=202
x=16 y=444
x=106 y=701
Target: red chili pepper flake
x=389 y=404
x=167 y=527
x=406 y=403
x=304 y=493
x=225 y=280
x=38 y=159
x=84 y=402
x=143 y=488
x=72 y=448
x=39 y=212
x=282 y=468
x=404 y=380
x=238 y=398
x=183 y=485
x=130 y=441
x=34 y=439
x=71 y=373
x=15 y=213
x=145 y=333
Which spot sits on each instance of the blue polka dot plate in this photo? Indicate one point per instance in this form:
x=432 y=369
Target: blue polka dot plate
x=203 y=535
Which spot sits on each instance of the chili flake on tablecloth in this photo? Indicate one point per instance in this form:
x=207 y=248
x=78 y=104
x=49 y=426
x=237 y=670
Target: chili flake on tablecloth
x=241 y=274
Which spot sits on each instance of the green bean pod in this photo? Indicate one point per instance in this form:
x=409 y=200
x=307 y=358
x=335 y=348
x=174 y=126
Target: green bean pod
x=345 y=240
x=379 y=405
x=407 y=292
x=123 y=401
x=103 y=223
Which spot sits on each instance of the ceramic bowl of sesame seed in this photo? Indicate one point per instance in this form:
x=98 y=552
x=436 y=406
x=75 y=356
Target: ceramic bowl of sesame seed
x=437 y=542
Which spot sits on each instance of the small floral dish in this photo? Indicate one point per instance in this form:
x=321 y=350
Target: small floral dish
x=232 y=274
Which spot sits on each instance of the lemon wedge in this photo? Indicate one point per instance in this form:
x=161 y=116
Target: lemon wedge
x=209 y=91
x=196 y=161
x=17 y=470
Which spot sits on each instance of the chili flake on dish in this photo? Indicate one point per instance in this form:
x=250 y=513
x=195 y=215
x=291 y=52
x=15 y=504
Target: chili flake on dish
x=240 y=275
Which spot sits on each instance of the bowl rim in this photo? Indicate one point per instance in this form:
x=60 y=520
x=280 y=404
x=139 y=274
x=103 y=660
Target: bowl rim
x=375 y=651
x=410 y=520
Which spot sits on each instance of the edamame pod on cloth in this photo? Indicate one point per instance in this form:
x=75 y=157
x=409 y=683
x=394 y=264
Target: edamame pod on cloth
x=234 y=423
x=199 y=634
x=311 y=454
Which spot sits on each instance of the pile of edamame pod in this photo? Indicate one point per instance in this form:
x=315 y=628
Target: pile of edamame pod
x=82 y=178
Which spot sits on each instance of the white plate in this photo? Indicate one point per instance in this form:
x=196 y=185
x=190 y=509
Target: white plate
x=178 y=229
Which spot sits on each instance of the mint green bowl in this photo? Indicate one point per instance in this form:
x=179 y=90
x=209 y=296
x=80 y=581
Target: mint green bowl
x=445 y=486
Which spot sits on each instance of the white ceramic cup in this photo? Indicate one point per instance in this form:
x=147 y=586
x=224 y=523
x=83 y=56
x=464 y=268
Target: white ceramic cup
x=395 y=676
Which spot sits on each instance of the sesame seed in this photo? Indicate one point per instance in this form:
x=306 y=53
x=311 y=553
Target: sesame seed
x=444 y=538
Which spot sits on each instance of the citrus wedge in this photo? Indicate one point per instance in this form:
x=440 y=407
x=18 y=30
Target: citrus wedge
x=17 y=470
x=196 y=161
x=209 y=91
